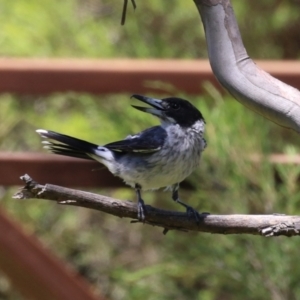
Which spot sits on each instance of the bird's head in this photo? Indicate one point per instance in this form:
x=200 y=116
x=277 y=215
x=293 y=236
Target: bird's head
x=171 y=110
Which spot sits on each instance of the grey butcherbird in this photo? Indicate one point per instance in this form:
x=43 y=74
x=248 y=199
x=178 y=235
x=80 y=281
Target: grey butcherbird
x=160 y=156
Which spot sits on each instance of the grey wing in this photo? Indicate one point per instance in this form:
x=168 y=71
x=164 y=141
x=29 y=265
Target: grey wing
x=147 y=141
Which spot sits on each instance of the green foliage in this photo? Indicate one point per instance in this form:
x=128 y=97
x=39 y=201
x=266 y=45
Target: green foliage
x=91 y=28
x=126 y=261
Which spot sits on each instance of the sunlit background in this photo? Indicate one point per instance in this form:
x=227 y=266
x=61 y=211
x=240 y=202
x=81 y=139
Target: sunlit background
x=132 y=261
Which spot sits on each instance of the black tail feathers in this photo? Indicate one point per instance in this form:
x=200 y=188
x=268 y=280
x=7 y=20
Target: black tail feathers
x=66 y=145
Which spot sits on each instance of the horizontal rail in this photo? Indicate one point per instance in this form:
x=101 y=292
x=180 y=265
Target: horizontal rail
x=47 y=168
x=73 y=172
x=44 y=76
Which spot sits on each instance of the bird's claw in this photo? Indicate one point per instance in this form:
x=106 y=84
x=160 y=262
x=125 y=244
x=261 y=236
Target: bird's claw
x=141 y=210
x=193 y=213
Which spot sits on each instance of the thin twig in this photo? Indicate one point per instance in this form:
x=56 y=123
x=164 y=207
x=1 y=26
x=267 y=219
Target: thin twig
x=124 y=11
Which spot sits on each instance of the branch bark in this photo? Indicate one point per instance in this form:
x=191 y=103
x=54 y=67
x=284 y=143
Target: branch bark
x=237 y=72
x=265 y=225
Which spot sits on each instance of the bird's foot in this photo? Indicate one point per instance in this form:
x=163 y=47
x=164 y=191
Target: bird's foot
x=193 y=213
x=141 y=208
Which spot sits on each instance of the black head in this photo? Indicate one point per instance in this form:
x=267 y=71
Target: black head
x=182 y=111
x=173 y=110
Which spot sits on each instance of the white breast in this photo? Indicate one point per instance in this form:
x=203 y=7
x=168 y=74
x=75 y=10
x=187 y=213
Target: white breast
x=177 y=159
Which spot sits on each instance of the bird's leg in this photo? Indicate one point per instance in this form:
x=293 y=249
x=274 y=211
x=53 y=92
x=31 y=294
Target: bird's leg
x=140 y=205
x=189 y=210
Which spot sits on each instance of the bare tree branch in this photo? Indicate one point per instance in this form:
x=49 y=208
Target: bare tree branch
x=266 y=225
x=235 y=70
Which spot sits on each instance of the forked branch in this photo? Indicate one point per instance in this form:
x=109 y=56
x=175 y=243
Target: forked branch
x=266 y=225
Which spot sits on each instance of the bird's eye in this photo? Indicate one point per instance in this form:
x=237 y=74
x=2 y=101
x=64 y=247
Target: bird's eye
x=174 y=106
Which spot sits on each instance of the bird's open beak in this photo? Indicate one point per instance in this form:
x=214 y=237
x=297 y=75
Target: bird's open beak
x=157 y=108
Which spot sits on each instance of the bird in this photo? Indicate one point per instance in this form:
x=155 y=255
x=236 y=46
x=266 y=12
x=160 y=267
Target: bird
x=157 y=157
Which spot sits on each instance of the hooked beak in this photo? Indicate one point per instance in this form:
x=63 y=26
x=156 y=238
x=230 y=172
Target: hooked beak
x=157 y=108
